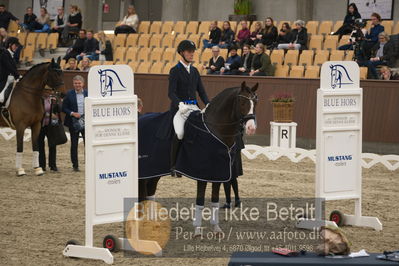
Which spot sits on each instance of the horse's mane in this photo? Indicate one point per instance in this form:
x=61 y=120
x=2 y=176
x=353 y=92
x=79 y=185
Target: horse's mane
x=32 y=68
x=221 y=97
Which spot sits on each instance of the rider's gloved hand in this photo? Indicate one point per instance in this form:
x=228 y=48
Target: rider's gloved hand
x=183 y=108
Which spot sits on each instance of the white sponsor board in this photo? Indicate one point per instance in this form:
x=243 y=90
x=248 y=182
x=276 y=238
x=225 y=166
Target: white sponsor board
x=111 y=152
x=339 y=138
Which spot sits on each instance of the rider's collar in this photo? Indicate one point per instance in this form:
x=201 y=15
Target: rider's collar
x=11 y=52
x=185 y=65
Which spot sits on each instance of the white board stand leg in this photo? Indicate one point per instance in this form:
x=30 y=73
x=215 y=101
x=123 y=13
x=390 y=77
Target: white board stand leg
x=155 y=249
x=317 y=222
x=359 y=220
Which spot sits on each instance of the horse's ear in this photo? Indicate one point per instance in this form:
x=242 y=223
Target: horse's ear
x=243 y=85
x=254 y=88
x=59 y=60
x=52 y=60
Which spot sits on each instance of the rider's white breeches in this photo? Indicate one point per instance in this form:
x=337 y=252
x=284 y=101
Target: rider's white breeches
x=180 y=119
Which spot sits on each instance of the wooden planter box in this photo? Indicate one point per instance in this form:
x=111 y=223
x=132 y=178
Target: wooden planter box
x=242 y=17
x=283 y=112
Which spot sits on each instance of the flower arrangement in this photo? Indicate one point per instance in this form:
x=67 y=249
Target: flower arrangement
x=282 y=98
x=242 y=7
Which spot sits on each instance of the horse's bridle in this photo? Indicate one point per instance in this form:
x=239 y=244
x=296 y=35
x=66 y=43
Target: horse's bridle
x=253 y=98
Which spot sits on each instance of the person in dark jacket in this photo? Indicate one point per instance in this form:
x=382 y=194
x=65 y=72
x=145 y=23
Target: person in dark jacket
x=246 y=60
x=269 y=34
x=284 y=36
x=383 y=53
x=60 y=21
x=372 y=35
x=8 y=66
x=5 y=17
x=77 y=47
x=227 y=38
x=216 y=62
x=74 y=23
x=261 y=64
x=243 y=34
x=386 y=74
x=256 y=35
x=349 y=21
x=214 y=35
x=73 y=107
x=29 y=20
x=298 y=38
x=232 y=64
x=184 y=83
x=90 y=47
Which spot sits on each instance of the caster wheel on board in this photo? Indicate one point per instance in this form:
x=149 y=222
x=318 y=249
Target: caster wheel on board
x=72 y=242
x=337 y=217
x=111 y=243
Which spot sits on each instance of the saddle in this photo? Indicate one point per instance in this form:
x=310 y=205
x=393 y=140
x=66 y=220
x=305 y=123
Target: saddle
x=4 y=112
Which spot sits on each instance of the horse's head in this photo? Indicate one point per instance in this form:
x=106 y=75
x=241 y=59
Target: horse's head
x=247 y=101
x=55 y=76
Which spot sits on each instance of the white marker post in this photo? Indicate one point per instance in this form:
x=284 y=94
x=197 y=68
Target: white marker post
x=111 y=152
x=339 y=142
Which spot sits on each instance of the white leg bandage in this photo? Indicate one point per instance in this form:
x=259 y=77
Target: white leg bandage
x=35 y=159
x=215 y=213
x=198 y=216
x=18 y=160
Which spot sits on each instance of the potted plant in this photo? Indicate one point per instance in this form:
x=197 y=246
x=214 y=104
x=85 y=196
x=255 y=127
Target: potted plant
x=283 y=107
x=242 y=11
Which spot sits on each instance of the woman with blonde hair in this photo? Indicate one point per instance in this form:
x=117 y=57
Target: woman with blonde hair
x=105 y=51
x=74 y=23
x=129 y=23
x=42 y=23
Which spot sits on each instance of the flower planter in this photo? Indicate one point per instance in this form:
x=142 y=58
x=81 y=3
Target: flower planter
x=283 y=112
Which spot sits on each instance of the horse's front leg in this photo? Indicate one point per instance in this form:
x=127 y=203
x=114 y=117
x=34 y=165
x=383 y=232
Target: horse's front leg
x=199 y=206
x=35 y=147
x=215 y=209
x=20 y=149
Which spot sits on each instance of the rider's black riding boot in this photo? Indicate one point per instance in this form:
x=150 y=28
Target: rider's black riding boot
x=176 y=143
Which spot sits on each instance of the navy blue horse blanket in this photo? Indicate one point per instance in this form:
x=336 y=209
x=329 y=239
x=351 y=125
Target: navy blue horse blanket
x=202 y=156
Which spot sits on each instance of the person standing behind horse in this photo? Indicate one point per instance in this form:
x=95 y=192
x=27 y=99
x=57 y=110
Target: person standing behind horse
x=51 y=116
x=73 y=107
x=8 y=66
x=184 y=83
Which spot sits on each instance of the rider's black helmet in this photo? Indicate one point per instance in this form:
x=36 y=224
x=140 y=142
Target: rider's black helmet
x=186 y=45
x=12 y=40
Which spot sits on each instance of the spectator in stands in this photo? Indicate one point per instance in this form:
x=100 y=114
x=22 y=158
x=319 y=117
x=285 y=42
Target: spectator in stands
x=214 y=35
x=246 y=60
x=256 y=35
x=243 y=35
x=351 y=15
x=73 y=107
x=284 y=36
x=5 y=17
x=216 y=62
x=91 y=47
x=372 y=35
x=386 y=74
x=105 y=52
x=42 y=23
x=227 y=38
x=60 y=21
x=3 y=37
x=383 y=53
x=85 y=66
x=269 y=35
x=357 y=37
x=52 y=110
x=298 y=37
x=29 y=20
x=261 y=64
x=77 y=47
x=72 y=65
x=129 y=23
x=74 y=23
x=232 y=63
x=140 y=107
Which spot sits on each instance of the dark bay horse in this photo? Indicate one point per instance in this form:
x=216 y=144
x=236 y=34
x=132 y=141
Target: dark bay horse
x=26 y=106
x=225 y=116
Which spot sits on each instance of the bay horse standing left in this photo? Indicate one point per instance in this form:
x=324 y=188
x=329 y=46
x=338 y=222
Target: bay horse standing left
x=26 y=107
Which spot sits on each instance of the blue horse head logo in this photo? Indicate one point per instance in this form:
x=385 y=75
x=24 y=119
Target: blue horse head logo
x=110 y=82
x=339 y=76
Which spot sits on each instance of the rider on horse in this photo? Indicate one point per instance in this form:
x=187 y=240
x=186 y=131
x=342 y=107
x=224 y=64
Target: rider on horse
x=184 y=82
x=8 y=67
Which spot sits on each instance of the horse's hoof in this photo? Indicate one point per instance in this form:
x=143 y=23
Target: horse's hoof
x=198 y=232
x=217 y=230
x=39 y=171
x=21 y=172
